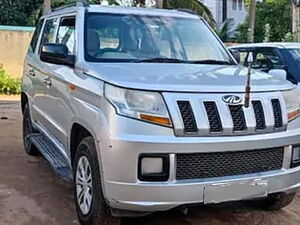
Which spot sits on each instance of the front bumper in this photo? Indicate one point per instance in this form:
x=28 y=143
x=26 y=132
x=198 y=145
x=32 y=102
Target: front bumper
x=161 y=197
x=119 y=162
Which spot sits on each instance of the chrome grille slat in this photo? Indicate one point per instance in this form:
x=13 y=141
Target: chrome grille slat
x=205 y=115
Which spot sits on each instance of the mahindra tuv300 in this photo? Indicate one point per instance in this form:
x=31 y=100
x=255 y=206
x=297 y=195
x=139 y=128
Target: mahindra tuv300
x=145 y=111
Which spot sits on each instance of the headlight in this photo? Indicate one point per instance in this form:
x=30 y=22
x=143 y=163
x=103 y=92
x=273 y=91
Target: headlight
x=292 y=100
x=142 y=105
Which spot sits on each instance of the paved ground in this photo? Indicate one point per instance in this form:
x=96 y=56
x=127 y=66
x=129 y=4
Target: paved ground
x=31 y=194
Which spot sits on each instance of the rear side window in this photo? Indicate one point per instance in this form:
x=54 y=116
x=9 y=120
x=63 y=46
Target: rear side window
x=66 y=33
x=36 y=36
x=49 y=33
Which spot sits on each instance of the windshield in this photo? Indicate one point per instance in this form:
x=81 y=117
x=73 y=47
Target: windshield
x=295 y=54
x=136 y=38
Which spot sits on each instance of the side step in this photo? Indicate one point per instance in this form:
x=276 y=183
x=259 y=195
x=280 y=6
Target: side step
x=53 y=155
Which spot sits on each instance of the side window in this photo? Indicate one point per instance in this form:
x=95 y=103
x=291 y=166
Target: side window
x=36 y=36
x=49 y=33
x=66 y=33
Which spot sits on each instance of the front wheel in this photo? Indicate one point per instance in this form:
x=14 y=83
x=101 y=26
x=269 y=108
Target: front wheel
x=275 y=201
x=27 y=131
x=90 y=203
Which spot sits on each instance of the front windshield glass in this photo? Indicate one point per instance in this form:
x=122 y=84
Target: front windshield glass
x=295 y=54
x=137 y=38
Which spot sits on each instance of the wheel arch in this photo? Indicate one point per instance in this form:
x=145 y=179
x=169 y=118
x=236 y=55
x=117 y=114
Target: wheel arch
x=78 y=132
x=24 y=100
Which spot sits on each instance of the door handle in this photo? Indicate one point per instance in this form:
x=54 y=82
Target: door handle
x=32 y=72
x=48 y=81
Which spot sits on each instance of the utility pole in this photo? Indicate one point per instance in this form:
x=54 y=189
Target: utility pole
x=46 y=6
x=251 y=22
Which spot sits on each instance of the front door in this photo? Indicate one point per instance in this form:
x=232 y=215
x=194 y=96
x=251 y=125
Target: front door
x=59 y=115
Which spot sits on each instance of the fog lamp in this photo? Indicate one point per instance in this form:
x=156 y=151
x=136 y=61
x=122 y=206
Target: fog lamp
x=296 y=156
x=153 y=167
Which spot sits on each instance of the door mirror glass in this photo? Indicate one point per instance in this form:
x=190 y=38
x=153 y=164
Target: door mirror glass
x=279 y=74
x=57 y=54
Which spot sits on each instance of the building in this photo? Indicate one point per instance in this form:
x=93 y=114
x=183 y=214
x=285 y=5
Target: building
x=296 y=18
x=234 y=11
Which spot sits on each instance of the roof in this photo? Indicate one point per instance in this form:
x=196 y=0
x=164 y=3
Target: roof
x=123 y=10
x=286 y=45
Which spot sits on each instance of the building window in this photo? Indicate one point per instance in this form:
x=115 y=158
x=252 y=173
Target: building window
x=234 y=5
x=240 y=5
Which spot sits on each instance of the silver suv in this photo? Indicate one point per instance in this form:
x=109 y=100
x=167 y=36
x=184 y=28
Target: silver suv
x=144 y=110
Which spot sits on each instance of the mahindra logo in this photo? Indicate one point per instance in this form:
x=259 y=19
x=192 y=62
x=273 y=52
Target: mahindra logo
x=232 y=99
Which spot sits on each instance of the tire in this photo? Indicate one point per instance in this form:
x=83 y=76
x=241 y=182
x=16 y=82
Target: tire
x=88 y=189
x=27 y=130
x=275 y=202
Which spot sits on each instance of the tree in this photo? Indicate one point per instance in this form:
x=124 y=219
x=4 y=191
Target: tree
x=252 y=14
x=19 y=12
x=276 y=13
x=194 y=5
x=28 y=12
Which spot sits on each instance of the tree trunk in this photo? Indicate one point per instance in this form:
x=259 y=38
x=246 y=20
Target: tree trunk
x=159 y=4
x=46 y=6
x=252 y=15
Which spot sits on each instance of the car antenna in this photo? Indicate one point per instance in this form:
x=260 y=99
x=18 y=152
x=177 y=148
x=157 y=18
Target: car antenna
x=248 y=85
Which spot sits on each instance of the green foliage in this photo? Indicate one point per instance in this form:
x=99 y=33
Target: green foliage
x=276 y=13
x=226 y=31
x=290 y=37
x=19 y=12
x=28 y=12
x=9 y=85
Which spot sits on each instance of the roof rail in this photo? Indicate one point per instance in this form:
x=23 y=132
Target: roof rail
x=81 y=3
x=187 y=11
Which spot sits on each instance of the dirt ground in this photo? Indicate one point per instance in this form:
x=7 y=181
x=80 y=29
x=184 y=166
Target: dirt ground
x=31 y=194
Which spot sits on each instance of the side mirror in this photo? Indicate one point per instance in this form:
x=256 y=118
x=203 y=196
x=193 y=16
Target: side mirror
x=279 y=74
x=57 y=54
x=236 y=54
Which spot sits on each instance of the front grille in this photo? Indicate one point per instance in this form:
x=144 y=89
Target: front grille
x=238 y=118
x=189 y=122
x=259 y=115
x=222 y=164
x=213 y=117
x=277 y=113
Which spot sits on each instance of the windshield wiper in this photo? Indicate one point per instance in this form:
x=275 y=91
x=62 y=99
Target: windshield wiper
x=212 y=62
x=161 y=60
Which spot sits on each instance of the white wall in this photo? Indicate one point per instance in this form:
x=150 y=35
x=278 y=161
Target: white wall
x=238 y=15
